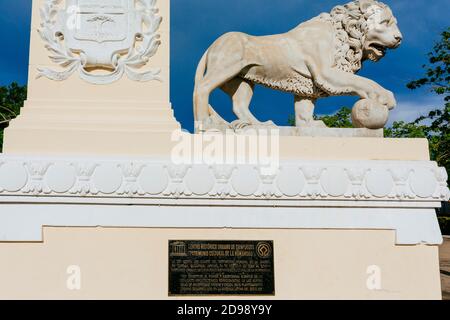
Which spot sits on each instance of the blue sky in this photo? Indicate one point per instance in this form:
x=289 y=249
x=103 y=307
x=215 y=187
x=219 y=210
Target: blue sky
x=197 y=23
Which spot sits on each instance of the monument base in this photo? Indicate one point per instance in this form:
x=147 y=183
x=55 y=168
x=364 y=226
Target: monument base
x=85 y=228
x=121 y=263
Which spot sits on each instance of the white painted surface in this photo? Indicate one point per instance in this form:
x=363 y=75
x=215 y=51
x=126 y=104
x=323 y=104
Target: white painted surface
x=291 y=181
x=13 y=176
x=422 y=183
x=24 y=222
x=61 y=177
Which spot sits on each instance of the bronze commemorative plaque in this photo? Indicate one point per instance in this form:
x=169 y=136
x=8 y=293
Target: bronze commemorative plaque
x=221 y=268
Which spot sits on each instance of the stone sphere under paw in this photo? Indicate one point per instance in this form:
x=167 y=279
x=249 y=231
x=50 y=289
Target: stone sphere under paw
x=370 y=114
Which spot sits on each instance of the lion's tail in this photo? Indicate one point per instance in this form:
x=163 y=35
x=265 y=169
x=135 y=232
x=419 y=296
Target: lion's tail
x=201 y=69
x=199 y=75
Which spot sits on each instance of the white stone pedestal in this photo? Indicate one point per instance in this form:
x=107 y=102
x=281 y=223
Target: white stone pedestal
x=333 y=224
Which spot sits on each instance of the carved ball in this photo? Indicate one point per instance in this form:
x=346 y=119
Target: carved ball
x=370 y=114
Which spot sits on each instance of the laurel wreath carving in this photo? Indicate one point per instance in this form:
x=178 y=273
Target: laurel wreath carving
x=145 y=46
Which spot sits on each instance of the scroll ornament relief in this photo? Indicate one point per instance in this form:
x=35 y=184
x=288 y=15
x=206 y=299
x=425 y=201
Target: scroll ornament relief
x=352 y=180
x=101 y=39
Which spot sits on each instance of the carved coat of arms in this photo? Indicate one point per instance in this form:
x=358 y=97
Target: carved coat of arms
x=101 y=39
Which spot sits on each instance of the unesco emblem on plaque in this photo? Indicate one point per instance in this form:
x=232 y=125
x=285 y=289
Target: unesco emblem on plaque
x=221 y=268
x=264 y=250
x=178 y=249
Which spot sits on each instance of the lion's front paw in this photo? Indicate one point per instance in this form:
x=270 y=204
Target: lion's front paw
x=385 y=97
x=239 y=125
x=390 y=101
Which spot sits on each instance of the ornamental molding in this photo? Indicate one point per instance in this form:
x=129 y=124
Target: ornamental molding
x=21 y=222
x=100 y=39
x=389 y=181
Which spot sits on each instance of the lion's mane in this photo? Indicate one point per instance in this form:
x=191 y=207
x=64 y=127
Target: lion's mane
x=351 y=27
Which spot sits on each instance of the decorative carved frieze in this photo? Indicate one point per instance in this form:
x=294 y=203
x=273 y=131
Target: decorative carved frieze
x=301 y=180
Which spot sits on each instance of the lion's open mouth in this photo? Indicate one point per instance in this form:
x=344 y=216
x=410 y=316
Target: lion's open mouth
x=378 y=49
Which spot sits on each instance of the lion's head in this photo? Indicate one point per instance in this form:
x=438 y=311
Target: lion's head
x=382 y=31
x=366 y=28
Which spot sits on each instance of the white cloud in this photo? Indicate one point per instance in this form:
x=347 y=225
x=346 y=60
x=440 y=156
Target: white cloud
x=411 y=107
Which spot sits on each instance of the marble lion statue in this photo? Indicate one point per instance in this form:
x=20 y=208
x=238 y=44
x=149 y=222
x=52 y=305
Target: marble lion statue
x=317 y=59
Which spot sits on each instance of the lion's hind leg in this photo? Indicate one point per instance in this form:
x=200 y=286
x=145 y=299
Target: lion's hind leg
x=241 y=93
x=213 y=79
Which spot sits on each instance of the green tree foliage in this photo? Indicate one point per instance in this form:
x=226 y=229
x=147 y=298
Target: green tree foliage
x=11 y=100
x=437 y=78
x=341 y=119
x=403 y=129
